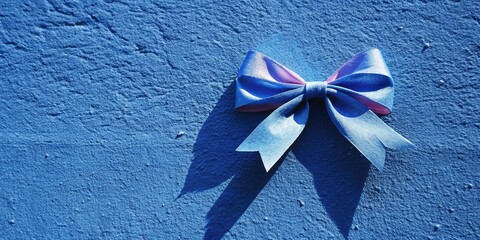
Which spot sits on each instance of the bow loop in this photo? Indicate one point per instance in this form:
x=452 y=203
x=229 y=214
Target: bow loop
x=366 y=78
x=264 y=84
x=353 y=94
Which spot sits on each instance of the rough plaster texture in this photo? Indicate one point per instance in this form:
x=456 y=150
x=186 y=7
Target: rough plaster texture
x=95 y=98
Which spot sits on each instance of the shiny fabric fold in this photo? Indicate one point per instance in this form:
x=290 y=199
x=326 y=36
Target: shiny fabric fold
x=354 y=95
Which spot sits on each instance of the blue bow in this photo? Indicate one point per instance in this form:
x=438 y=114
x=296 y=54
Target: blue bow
x=354 y=94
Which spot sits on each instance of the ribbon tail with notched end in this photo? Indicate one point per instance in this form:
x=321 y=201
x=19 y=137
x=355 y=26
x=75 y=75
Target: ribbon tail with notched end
x=363 y=128
x=274 y=135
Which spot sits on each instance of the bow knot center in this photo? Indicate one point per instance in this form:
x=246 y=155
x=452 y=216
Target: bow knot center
x=315 y=90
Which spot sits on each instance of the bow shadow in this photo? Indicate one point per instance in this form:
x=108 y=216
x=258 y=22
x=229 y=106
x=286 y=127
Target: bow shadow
x=216 y=161
x=338 y=169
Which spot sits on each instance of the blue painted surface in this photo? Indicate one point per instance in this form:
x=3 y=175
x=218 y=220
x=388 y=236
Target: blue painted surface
x=94 y=94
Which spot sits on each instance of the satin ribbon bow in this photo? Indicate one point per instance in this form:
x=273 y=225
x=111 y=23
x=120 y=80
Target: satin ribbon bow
x=354 y=94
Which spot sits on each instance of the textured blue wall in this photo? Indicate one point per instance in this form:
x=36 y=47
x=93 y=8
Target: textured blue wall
x=117 y=121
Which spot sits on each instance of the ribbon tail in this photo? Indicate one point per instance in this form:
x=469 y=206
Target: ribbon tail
x=274 y=135
x=364 y=129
